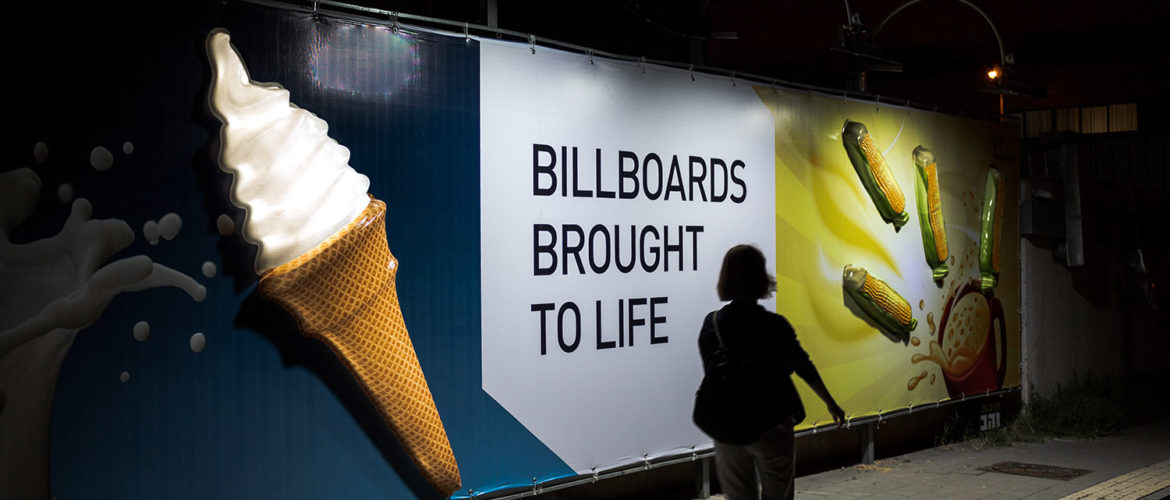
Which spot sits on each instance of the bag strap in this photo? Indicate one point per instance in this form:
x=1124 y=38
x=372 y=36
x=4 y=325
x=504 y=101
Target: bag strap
x=715 y=322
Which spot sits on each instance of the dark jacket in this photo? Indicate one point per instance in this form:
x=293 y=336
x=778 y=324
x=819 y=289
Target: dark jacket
x=769 y=342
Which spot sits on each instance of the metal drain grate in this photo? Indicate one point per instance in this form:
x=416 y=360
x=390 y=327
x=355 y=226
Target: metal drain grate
x=1036 y=470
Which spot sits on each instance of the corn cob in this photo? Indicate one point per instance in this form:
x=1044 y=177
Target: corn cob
x=874 y=173
x=884 y=305
x=930 y=217
x=990 y=228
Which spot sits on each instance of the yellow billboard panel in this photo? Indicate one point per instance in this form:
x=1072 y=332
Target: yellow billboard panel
x=896 y=250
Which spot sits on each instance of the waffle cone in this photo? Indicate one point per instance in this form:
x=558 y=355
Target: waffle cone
x=342 y=292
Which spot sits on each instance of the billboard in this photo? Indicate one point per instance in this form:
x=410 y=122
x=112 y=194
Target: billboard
x=553 y=227
x=952 y=186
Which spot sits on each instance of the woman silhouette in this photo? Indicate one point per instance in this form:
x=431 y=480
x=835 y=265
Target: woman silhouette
x=769 y=343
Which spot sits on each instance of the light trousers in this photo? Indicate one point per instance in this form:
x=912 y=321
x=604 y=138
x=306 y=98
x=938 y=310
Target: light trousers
x=772 y=456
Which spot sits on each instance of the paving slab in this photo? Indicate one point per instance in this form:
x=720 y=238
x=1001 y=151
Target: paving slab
x=1133 y=464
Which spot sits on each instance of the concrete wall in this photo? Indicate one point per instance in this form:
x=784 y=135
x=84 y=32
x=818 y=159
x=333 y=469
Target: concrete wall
x=1072 y=321
x=1096 y=319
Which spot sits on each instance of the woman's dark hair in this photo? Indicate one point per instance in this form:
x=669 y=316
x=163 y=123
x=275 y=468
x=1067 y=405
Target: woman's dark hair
x=744 y=276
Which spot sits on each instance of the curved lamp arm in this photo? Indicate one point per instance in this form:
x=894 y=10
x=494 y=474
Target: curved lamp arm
x=999 y=40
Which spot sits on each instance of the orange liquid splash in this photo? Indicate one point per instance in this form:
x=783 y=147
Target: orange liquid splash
x=913 y=382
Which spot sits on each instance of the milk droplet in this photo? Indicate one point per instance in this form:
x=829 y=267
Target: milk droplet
x=141 y=331
x=101 y=159
x=41 y=152
x=225 y=225
x=82 y=208
x=150 y=231
x=125 y=377
x=209 y=269
x=198 y=342
x=128 y=147
x=169 y=225
x=65 y=193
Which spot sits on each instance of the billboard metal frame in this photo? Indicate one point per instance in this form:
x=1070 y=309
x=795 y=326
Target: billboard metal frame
x=395 y=19
x=865 y=424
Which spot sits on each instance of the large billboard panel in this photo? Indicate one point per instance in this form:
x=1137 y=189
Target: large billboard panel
x=554 y=226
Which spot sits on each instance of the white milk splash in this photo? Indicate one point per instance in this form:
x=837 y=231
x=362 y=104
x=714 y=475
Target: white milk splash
x=49 y=290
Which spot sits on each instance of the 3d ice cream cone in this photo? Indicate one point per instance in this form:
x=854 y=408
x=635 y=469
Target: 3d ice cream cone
x=343 y=293
x=323 y=253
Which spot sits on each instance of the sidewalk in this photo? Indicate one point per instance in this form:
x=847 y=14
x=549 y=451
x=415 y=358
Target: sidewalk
x=1134 y=464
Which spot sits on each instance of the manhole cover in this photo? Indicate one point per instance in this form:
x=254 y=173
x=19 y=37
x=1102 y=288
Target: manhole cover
x=1036 y=470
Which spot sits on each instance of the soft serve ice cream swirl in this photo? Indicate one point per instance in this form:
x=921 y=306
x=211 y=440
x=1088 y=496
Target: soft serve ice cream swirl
x=293 y=180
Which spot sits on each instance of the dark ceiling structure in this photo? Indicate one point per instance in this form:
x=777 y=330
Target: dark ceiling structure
x=1059 y=54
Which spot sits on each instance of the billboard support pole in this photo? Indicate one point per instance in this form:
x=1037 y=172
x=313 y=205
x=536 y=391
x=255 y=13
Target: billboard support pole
x=703 y=479
x=865 y=434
